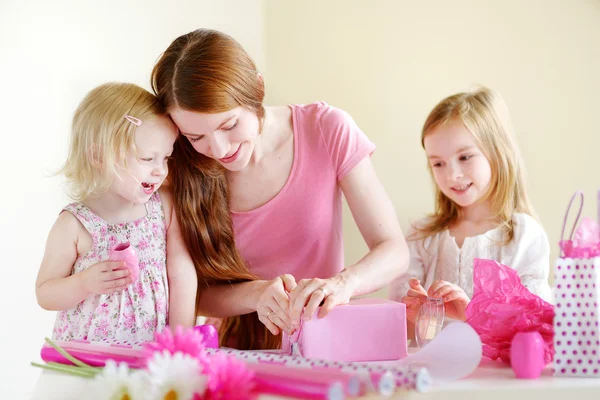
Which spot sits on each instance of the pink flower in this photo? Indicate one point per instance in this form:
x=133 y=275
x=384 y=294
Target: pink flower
x=228 y=379
x=103 y=309
x=129 y=320
x=155 y=230
x=161 y=305
x=102 y=329
x=182 y=341
x=143 y=265
x=150 y=325
x=128 y=302
x=139 y=290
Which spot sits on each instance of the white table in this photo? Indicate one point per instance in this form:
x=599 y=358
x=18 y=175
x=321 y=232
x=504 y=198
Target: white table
x=490 y=381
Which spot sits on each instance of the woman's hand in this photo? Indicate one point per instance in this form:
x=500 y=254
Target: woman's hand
x=310 y=293
x=414 y=298
x=273 y=306
x=455 y=299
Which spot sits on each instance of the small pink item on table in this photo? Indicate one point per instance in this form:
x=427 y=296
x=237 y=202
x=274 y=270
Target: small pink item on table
x=527 y=355
x=211 y=336
x=126 y=252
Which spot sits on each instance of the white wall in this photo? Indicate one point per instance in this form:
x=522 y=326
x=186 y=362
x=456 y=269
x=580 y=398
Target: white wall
x=388 y=62
x=51 y=54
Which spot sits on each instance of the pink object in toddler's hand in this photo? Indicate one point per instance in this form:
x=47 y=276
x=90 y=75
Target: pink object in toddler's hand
x=126 y=252
x=527 y=355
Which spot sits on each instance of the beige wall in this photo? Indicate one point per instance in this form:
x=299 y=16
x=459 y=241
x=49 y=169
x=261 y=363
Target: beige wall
x=389 y=62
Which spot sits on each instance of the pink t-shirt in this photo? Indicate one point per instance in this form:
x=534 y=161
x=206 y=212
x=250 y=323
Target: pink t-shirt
x=299 y=231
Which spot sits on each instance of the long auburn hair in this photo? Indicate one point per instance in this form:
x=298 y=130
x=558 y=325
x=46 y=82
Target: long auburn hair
x=209 y=72
x=485 y=114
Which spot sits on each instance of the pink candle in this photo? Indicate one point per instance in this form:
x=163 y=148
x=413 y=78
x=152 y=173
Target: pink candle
x=126 y=252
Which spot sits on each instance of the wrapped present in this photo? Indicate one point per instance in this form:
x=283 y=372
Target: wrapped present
x=366 y=329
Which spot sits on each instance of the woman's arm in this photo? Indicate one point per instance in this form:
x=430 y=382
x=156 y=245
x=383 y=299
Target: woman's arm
x=268 y=298
x=388 y=256
x=376 y=219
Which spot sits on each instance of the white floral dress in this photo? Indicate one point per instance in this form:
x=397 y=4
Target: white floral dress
x=134 y=314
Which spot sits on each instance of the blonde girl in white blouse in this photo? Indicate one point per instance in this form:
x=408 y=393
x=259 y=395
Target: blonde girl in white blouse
x=481 y=208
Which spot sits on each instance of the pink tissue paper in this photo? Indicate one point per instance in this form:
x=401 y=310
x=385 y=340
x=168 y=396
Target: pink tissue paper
x=501 y=307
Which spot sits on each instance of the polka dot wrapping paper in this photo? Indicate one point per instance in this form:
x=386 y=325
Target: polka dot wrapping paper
x=576 y=333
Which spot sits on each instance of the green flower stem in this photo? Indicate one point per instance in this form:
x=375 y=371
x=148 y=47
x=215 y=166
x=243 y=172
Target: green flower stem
x=67 y=355
x=69 y=369
x=90 y=370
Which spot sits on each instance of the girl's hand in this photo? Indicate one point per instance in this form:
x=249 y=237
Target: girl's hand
x=105 y=277
x=310 y=293
x=414 y=298
x=273 y=305
x=455 y=299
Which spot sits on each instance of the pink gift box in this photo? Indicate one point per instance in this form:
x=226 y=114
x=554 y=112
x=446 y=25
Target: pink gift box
x=367 y=329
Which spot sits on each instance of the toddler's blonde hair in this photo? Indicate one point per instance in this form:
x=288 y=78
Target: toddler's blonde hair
x=485 y=114
x=101 y=136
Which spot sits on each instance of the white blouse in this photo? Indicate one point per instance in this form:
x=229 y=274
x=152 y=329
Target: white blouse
x=438 y=257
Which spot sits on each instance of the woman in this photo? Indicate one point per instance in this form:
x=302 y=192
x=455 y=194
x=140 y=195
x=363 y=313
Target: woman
x=276 y=175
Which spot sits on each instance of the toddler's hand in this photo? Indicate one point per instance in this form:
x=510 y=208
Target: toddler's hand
x=455 y=299
x=414 y=298
x=105 y=277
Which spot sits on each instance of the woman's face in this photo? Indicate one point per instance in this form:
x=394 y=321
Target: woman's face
x=227 y=137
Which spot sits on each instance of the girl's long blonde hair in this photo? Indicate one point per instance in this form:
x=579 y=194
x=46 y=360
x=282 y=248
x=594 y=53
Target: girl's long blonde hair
x=485 y=114
x=101 y=136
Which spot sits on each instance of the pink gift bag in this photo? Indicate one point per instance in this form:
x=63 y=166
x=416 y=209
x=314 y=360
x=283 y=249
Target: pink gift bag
x=577 y=299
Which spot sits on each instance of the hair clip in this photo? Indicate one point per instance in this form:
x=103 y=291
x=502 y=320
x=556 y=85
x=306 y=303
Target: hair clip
x=133 y=120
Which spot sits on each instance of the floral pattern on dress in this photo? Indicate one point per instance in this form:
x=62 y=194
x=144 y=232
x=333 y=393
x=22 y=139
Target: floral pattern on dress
x=134 y=314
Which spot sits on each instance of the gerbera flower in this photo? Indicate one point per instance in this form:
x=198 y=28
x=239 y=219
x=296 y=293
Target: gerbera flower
x=183 y=341
x=228 y=379
x=116 y=383
x=175 y=376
